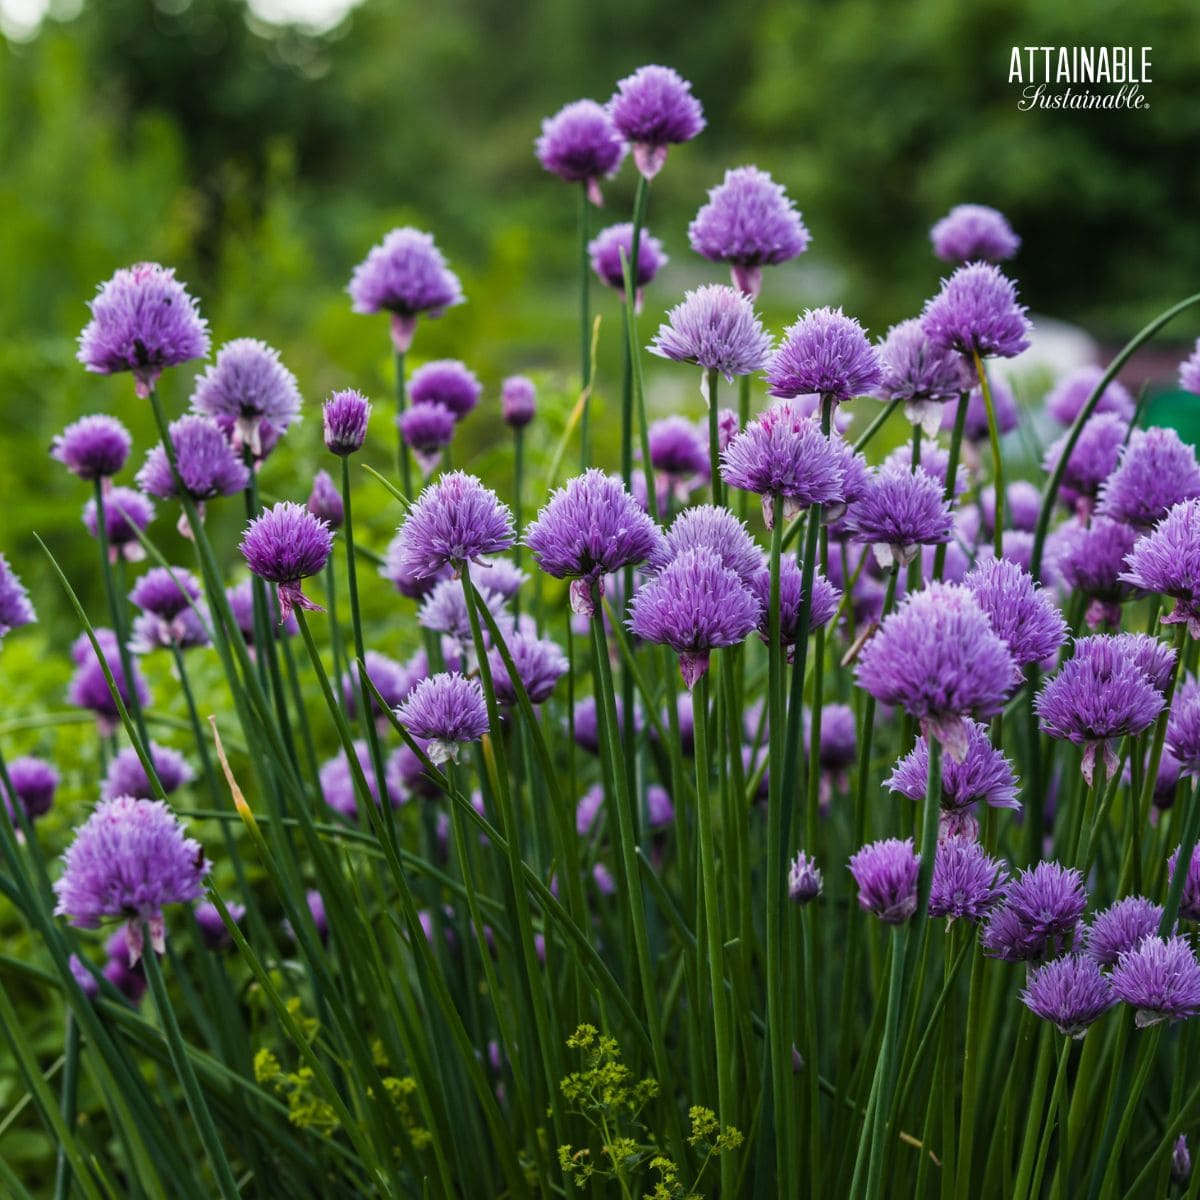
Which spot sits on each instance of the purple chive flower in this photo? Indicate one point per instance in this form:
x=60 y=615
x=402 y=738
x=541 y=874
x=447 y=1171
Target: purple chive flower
x=580 y=144
x=694 y=605
x=407 y=276
x=165 y=592
x=886 y=875
x=151 y=632
x=716 y=328
x=588 y=809
x=934 y=460
x=445 y=381
x=804 y=879
x=1157 y=471
x=498 y=575
x=1181 y=1162
x=926 y=377
x=839 y=736
x=709 y=527
x=34 y=782
x=1068 y=397
x=212 y=928
x=824 y=352
x=1189 y=371
x=540 y=664
x=241 y=603
x=453 y=521
x=249 y=393
x=397 y=568
x=966 y=883
x=143 y=320
x=1092 y=461
x=285 y=545
x=1156 y=660
x=127 y=777
x=1160 y=978
x=984 y=775
x=427 y=429
x=1121 y=927
x=1023 y=615
x=446 y=709
x=89 y=687
x=609 y=246
x=337 y=781
x=900 y=510
x=678 y=449
x=1167 y=561
x=587 y=728
x=1098 y=695
x=1037 y=920
x=1022 y=503
x=1071 y=992
x=15 y=608
x=587 y=530
x=976 y=312
x=750 y=223
x=392 y=680
x=938 y=657
x=784 y=453
x=653 y=109
x=660 y=812
x=130 y=859
x=208 y=465
x=974 y=233
x=88 y=983
x=345 y=416
x=791 y=594
x=518 y=401
x=93 y=447
x=1091 y=560
x=127 y=976
x=126 y=514
x=325 y=501
x=444 y=610
x=1183 y=727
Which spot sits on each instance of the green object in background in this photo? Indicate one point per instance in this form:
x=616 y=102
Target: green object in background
x=1178 y=410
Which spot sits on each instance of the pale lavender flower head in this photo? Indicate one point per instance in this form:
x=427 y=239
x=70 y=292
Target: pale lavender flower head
x=518 y=401
x=580 y=144
x=804 y=879
x=498 y=575
x=1098 y=695
x=93 y=447
x=709 y=527
x=34 y=782
x=1071 y=992
x=977 y=312
x=325 y=501
x=791 y=593
x=1022 y=504
x=126 y=514
x=938 y=657
x=660 y=812
x=606 y=250
x=839 y=736
x=1066 y=400
x=966 y=883
x=1160 y=978
x=393 y=680
x=784 y=453
x=926 y=377
x=248 y=392
x=1092 y=461
x=89 y=687
x=589 y=529
x=886 y=875
x=143 y=320
x=1023 y=615
x=427 y=429
x=540 y=665
x=653 y=109
x=127 y=777
x=1189 y=371
x=1167 y=561
x=1157 y=471
x=15 y=607
x=208 y=464
x=129 y=860
x=445 y=381
x=588 y=809
x=694 y=605
x=453 y=521
x=241 y=604
x=716 y=328
x=400 y=571
x=974 y=233
x=165 y=592
x=984 y=774
x=900 y=510
x=212 y=927
x=447 y=710
x=405 y=275
x=826 y=353
x=1183 y=727
x=975 y=428
x=749 y=222
x=678 y=448
x=1037 y=921
x=1120 y=927
x=285 y=545
x=1091 y=560
x=337 y=781
x=345 y=416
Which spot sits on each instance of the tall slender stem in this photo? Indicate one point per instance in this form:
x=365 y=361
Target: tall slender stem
x=585 y=332
x=403 y=464
x=956 y=437
x=997 y=461
x=714 y=439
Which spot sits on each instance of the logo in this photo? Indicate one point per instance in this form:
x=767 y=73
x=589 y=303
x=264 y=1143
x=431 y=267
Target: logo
x=1080 y=77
